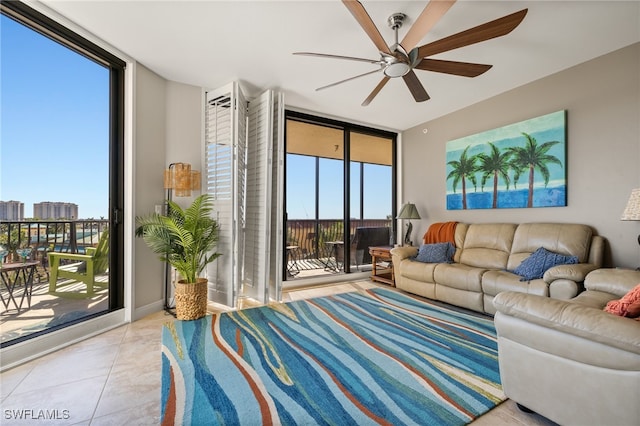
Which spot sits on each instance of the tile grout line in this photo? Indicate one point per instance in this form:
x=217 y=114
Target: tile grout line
x=32 y=366
x=104 y=385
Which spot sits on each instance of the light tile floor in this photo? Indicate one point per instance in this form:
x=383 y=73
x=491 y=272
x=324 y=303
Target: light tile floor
x=114 y=378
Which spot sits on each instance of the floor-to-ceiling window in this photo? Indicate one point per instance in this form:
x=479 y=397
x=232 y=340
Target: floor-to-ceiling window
x=61 y=177
x=339 y=178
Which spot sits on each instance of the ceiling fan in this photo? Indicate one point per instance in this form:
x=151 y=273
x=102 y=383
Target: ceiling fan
x=401 y=59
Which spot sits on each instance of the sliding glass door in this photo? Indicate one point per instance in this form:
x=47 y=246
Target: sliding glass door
x=339 y=177
x=314 y=198
x=61 y=177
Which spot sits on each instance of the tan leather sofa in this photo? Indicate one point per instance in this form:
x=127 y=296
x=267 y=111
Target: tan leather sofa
x=569 y=360
x=486 y=252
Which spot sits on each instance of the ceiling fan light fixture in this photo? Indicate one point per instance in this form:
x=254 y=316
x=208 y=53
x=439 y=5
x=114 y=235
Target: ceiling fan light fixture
x=400 y=59
x=397 y=69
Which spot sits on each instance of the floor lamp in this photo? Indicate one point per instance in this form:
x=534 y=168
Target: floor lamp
x=408 y=211
x=179 y=180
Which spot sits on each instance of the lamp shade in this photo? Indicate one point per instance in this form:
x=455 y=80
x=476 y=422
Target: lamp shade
x=632 y=211
x=180 y=178
x=408 y=211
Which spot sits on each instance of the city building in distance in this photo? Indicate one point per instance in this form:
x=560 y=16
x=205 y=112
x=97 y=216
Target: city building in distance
x=11 y=210
x=55 y=210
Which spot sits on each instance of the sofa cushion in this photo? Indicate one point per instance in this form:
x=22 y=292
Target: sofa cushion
x=460 y=276
x=494 y=282
x=615 y=281
x=593 y=299
x=417 y=271
x=572 y=318
x=436 y=253
x=534 y=266
x=564 y=238
x=487 y=245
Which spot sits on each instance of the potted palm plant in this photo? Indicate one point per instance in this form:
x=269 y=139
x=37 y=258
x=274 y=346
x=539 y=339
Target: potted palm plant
x=186 y=239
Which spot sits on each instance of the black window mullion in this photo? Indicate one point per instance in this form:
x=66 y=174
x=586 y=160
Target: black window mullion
x=346 y=228
x=57 y=32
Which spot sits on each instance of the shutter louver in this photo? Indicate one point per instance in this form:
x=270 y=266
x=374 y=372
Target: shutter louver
x=246 y=184
x=224 y=156
x=258 y=198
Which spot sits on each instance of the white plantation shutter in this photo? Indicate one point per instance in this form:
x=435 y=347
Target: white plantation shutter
x=276 y=266
x=258 y=198
x=225 y=153
x=244 y=151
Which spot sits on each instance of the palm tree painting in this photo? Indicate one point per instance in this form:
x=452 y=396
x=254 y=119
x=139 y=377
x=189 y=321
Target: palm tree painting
x=520 y=165
x=463 y=169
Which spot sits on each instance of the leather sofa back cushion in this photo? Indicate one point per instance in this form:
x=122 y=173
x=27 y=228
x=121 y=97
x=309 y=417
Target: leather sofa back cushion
x=564 y=238
x=487 y=245
x=613 y=281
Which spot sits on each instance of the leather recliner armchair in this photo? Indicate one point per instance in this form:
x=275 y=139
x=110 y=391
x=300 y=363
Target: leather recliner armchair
x=569 y=360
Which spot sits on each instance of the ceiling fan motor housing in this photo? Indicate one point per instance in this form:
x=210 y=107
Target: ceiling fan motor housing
x=397 y=65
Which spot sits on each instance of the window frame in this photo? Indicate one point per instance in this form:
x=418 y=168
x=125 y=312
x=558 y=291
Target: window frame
x=59 y=33
x=347 y=128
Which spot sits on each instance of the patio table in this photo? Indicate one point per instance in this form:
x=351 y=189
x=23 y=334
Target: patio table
x=333 y=254
x=26 y=271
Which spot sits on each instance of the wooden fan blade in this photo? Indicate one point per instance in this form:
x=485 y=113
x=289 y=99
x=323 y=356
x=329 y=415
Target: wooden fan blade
x=429 y=17
x=486 y=31
x=348 y=58
x=415 y=87
x=377 y=90
x=465 y=69
x=348 y=79
x=358 y=11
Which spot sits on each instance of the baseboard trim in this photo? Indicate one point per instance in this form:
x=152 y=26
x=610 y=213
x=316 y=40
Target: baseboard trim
x=149 y=309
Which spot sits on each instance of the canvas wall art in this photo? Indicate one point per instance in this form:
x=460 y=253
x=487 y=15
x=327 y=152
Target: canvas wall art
x=516 y=166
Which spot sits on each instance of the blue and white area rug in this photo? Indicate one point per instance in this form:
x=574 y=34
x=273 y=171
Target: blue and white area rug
x=374 y=357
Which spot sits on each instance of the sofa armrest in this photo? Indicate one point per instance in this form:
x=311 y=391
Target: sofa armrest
x=572 y=318
x=398 y=254
x=576 y=272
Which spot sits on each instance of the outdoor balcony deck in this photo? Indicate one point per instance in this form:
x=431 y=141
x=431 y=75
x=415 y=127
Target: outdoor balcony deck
x=46 y=310
x=310 y=254
x=313 y=246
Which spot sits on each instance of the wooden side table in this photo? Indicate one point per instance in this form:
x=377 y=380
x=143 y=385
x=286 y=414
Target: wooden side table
x=381 y=265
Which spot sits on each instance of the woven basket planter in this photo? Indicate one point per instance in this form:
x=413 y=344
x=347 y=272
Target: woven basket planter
x=191 y=300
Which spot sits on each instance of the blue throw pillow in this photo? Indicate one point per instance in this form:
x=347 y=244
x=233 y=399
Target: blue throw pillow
x=534 y=266
x=436 y=253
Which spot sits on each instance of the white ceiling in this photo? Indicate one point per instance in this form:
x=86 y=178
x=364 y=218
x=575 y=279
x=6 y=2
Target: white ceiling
x=211 y=43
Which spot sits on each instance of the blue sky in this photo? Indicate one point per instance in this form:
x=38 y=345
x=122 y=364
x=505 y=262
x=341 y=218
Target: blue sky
x=301 y=185
x=54 y=135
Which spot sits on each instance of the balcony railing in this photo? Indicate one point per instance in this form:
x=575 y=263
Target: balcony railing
x=72 y=236
x=310 y=236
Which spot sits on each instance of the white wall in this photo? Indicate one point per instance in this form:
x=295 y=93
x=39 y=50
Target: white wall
x=184 y=129
x=602 y=98
x=168 y=130
x=149 y=147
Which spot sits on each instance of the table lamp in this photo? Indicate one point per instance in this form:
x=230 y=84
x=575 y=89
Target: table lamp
x=408 y=211
x=632 y=211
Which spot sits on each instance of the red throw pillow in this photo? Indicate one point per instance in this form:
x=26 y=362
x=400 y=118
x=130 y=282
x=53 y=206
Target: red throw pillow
x=628 y=306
